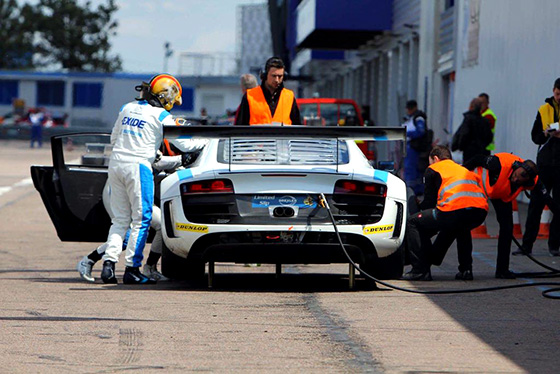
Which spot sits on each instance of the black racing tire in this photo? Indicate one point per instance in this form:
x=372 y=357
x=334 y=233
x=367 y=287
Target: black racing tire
x=195 y=270
x=390 y=267
x=175 y=267
x=412 y=202
x=172 y=266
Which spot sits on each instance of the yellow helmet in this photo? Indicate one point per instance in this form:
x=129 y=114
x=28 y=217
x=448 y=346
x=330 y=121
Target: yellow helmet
x=167 y=90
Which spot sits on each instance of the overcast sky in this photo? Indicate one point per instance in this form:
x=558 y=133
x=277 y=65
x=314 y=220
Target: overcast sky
x=189 y=25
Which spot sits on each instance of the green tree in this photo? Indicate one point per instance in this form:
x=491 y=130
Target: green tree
x=74 y=36
x=16 y=46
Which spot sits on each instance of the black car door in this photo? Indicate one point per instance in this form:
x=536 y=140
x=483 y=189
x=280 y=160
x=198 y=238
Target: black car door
x=72 y=188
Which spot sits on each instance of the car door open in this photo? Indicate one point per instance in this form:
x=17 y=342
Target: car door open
x=72 y=188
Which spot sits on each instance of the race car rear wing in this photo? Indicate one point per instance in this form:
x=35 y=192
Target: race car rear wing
x=267 y=131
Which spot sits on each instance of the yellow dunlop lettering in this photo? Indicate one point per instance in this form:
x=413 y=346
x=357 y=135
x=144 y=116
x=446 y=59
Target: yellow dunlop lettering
x=191 y=227
x=377 y=229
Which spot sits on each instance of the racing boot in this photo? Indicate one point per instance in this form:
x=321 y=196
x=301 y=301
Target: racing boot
x=132 y=275
x=152 y=272
x=108 y=272
x=84 y=268
x=465 y=275
x=415 y=275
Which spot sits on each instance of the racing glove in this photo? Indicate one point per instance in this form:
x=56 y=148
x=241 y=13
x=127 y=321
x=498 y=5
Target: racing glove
x=187 y=159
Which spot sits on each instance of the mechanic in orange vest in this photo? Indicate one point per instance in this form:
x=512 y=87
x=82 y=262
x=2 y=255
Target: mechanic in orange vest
x=454 y=204
x=270 y=103
x=504 y=176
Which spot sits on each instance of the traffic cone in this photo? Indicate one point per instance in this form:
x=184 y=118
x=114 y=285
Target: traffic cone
x=517 y=234
x=544 y=228
x=480 y=232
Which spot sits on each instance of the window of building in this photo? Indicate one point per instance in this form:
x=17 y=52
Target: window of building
x=87 y=94
x=50 y=93
x=8 y=91
x=188 y=100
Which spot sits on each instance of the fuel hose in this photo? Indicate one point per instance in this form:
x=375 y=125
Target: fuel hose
x=548 y=293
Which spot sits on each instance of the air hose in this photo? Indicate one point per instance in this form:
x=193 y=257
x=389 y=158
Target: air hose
x=550 y=274
x=546 y=293
x=553 y=272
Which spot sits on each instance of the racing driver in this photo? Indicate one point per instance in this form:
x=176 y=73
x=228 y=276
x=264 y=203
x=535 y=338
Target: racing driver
x=136 y=137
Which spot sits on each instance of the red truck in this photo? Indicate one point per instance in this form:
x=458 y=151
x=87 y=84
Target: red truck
x=334 y=112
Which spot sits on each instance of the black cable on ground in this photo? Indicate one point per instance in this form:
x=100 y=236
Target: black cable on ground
x=551 y=274
x=323 y=201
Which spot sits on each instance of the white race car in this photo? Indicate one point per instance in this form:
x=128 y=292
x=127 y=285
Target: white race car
x=253 y=195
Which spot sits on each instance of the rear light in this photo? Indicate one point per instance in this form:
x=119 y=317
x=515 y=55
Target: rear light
x=208 y=186
x=360 y=188
x=346 y=187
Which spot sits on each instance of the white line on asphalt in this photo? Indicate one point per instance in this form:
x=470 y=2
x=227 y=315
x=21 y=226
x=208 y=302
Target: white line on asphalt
x=21 y=183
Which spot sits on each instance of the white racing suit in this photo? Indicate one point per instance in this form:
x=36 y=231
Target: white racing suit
x=154 y=224
x=136 y=136
x=169 y=163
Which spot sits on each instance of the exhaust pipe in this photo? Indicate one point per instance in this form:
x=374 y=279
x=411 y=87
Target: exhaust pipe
x=283 y=211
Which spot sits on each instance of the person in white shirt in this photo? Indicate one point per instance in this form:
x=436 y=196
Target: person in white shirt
x=136 y=137
x=169 y=164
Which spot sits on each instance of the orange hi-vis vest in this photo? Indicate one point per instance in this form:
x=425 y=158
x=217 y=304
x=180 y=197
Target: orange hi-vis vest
x=460 y=188
x=502 y=188
x=260 y=111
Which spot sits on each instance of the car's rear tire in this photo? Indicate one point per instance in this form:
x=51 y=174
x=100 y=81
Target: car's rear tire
x=172 y=266
x=195 y=270
x=175 y=267
x=390 y=267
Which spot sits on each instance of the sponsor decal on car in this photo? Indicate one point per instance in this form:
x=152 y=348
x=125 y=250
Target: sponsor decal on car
x=309 y=201
x=301 y=201
x=287 y=200
x=191 y=227
x=378 y=229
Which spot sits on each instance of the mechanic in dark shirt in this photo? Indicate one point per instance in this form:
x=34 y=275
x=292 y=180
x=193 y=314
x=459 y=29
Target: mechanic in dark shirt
x=545 y=133
x=454 y=203
x=474 y=134
x=269 y=103
x=504 y=176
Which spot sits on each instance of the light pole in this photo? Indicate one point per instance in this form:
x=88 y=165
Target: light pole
x=168 y=52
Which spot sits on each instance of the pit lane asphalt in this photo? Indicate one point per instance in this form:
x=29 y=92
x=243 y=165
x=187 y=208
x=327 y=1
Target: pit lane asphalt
x=306 y=321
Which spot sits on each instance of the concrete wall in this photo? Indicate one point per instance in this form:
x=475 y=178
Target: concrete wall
x=519 y=60
x=209 y=96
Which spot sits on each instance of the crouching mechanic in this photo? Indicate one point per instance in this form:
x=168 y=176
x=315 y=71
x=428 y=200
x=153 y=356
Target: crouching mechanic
x=136 y=137
x=504 y=176
x=167 y=163
x=454 y=203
